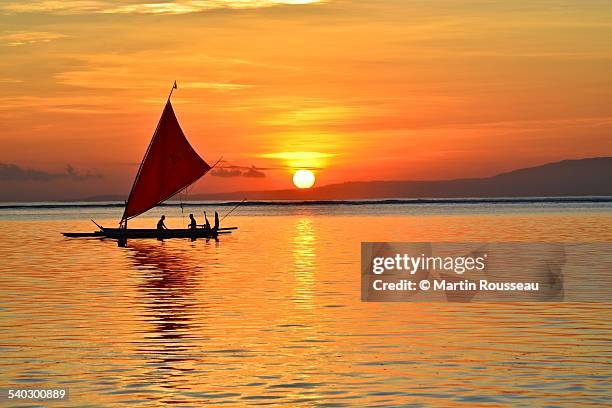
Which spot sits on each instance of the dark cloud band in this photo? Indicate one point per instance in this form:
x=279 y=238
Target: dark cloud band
x=238 y=171
x=13 y=172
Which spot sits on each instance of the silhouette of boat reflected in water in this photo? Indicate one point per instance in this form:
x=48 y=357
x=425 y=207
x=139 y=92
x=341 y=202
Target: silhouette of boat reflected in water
x=168 y=282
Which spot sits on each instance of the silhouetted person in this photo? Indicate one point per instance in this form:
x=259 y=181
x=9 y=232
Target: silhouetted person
x=192 y=224
x=216 y=227
x=160 y=223
x=206 y=222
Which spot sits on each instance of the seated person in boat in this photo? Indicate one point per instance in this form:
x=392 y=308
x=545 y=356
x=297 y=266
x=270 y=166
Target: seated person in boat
x=192 y=224
x=160 y=223
x=206 y=223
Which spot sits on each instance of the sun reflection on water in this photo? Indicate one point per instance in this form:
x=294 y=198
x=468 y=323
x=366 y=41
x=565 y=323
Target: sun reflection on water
x=304 y=262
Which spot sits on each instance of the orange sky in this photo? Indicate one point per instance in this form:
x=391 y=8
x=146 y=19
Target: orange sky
x=358 y=90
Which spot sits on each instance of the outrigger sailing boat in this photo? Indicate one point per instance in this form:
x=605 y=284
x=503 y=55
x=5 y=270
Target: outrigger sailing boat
x=169 y=166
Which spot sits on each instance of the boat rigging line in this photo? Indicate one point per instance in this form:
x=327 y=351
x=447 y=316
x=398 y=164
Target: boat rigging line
x=232 y=210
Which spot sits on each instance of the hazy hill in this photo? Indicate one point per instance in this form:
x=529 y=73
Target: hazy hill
x=582 y=177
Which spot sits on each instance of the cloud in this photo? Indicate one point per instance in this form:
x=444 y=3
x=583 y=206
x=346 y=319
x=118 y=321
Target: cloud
x=13 y=172
x=254 y=173
x=298 y=155
x=87 y=104
x=131 y=71
x=214 y=86
x=316 y=115
x=17 y=38
x=239 y=171
x=309 y=160
x=10 y=81
x=139 y=7
x=73 y=174
x=224 y=172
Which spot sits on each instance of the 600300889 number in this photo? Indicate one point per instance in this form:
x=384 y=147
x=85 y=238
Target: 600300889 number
x=36 y=393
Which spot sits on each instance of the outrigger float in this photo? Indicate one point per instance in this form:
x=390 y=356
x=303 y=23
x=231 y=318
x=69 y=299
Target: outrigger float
x=169 y=166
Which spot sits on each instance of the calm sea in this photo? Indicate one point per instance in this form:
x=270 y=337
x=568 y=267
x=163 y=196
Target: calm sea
x=271 y=314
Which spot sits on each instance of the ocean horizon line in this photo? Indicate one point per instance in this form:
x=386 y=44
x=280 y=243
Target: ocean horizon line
x=356 y=202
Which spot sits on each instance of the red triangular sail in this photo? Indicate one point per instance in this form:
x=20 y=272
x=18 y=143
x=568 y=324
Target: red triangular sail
x=169 y=165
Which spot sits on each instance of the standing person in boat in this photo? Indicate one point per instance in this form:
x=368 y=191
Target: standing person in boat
x=192 y=224
x=160 y=223
x=216 y=227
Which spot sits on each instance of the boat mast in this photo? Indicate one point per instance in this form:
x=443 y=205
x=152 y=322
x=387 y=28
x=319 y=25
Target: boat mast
x=172 y=90
x=124 y=220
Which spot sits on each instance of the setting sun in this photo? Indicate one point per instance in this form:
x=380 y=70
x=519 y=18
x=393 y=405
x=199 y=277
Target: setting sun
x=303 y=179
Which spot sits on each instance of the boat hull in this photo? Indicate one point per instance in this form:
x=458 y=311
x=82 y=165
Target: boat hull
x=135 y=233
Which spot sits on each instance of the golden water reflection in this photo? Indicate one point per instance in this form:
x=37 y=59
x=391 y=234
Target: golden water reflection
x=304 y=262
x=272 y=315
x=171 y=335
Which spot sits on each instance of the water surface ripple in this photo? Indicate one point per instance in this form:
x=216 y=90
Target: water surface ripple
x=271 y=315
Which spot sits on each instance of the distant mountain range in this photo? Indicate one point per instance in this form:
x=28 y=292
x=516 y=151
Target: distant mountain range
x=583 y=177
